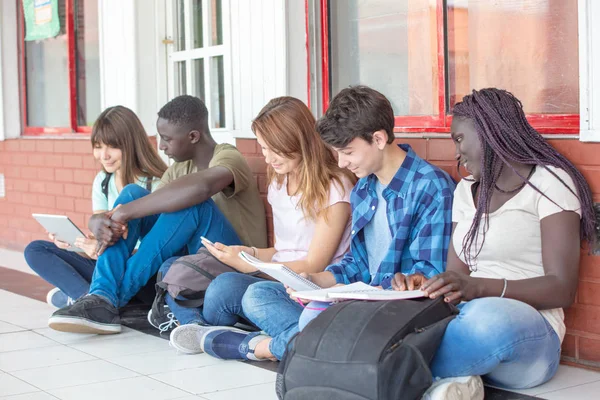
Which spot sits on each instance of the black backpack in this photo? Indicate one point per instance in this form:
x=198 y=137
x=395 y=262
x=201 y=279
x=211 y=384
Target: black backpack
x=360 y=350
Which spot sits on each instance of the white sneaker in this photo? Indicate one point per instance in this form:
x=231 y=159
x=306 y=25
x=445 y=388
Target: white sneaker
x=459 y=388
x=57 y=298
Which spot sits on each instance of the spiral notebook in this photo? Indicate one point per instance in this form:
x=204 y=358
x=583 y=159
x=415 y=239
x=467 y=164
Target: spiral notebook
x=356 y=291
x=280 y=272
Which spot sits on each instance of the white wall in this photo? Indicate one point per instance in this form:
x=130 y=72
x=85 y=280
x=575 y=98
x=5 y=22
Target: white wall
x=10 y=115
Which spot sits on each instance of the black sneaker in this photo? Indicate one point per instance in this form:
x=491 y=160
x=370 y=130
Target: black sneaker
x=164 y=321
x=89 y=314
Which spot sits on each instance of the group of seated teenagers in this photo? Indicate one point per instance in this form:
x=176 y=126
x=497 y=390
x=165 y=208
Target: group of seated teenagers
x=503 y=244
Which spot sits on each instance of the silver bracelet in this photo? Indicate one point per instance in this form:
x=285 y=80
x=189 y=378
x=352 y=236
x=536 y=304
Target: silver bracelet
x=504 y=290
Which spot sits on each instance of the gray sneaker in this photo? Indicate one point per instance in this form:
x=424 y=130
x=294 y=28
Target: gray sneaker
x=89 y=314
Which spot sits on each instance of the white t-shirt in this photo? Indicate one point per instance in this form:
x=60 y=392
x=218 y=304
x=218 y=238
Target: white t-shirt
x=513 y=244
x=293 y=232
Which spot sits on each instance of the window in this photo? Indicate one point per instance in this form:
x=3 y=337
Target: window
x=198 y=58
x=60 y=76
x=425 y=55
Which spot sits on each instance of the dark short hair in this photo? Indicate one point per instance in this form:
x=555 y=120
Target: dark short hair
x=186 y=111
x=356 y=112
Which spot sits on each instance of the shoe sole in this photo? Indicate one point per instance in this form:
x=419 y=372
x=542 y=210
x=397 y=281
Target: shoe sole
x=79 y=325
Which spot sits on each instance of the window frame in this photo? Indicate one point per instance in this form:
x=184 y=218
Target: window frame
x=440 y=123
x=73 y=128
x=203 y=53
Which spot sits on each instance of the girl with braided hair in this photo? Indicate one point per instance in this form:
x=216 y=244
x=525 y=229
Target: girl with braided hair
x=518 y=223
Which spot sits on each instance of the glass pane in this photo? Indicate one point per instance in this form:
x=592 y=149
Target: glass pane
x=217 y=92
x=538 y=63
x=389 y=45
x=47 y=79
x=196 y=21
x=180 y=78
x=179 y=25
x=87 y=62
x=216 y=23
x=198 y=72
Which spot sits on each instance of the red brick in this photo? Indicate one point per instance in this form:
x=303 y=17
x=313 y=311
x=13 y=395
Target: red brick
x=418 y=145
x=12 y=172
x=83 y=147
x=569 y=346
x=91 y=163
x=7 y=208
x=262 y=184
x=55 y=188
x=257 y=164
x=29 y=172
x=23 y=237
x=14 y=197
x=47 y=200
x=78 y=219
x=20 y=185
x=72 y=190
x=37 y=187
x=87 y=190
x=63 y=146
x=246 y=146
x=30 y=199
x=46 y=174
x=65 y=203
x=63 y=175
x=35 y=160
x=441 y=150
x=583 y=318
x=589 y=293
x=589 y=266
x=44 y=146
x=27 y=145
x=578 y=152
x=19 y=159
x=72 y=161
x=22 y=210
x=52 y=160
x=592 y=175
x=12 y=145
x=589 y=349
x=83 y=176
x=82 y=205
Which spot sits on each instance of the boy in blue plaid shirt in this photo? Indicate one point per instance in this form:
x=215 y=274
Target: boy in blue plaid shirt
x=401 y=206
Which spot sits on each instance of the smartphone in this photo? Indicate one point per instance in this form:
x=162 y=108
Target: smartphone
x=206 y=240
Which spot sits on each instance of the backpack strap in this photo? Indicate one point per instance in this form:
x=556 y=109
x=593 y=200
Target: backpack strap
x=104 y=184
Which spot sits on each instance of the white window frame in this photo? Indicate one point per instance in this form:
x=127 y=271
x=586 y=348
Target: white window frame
x=224 y=134
x=589 y=70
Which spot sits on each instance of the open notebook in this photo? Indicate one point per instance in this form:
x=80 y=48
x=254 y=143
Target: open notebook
x=280 y=272
x=356 y=291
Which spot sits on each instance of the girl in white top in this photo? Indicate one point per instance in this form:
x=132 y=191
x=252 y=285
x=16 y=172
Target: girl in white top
x=519 y=220
x=310 y=197
x=120 y=144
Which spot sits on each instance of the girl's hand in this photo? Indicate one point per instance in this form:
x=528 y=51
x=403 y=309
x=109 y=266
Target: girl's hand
x=454 y=286
x=58 y=243
x=89 y=245
x=408 y=282
x=289 y=290
x=229 y=255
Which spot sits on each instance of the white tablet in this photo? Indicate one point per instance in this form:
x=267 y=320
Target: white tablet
x=62 y=227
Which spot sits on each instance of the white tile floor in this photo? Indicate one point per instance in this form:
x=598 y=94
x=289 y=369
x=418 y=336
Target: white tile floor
x=37 y=363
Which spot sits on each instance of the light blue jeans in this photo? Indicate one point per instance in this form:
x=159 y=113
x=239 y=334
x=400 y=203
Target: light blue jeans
x=509 y=343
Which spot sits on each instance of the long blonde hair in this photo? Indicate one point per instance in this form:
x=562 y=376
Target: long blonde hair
x=288 y=127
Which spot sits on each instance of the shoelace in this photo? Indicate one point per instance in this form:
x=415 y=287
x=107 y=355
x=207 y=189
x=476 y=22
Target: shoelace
x=170 y=323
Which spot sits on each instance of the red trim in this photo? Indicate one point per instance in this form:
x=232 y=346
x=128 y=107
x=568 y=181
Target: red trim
x=306 y=11
x=71 y=63
x=325 y=52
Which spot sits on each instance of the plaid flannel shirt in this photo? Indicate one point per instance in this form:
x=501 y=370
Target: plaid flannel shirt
x=419 y=212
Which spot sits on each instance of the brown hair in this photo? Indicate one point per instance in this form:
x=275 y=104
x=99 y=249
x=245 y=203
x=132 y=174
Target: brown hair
x=120 y=128
x=288 y=128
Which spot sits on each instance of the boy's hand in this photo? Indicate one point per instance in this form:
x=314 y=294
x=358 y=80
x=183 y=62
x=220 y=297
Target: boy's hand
x=89 y=245
x=408 y=282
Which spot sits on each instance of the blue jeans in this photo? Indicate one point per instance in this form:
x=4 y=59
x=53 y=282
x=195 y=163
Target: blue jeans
x=506 y=341
x=120 y=275
x=67 y=270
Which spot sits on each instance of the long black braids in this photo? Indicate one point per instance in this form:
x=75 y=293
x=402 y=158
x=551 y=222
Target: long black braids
x=507 y=137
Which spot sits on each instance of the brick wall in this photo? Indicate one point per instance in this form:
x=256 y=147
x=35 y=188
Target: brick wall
x=582 y=343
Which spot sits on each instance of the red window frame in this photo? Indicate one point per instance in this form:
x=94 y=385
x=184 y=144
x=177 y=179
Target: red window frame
x=543 y=123
x=74 y=128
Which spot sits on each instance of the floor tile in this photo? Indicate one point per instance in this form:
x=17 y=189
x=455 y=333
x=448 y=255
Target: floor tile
x=123 y=346
x=26 y=318
x=126 y=389
x=82 y=373
x=163 y=361
x=223 y=376
x=23 y=340
x=257 y=392
x=565 y=377
x=5 y=327
x=70 y=338
x=9 y=385
x=587 y=391
x=40 y=357
x=30 y=396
